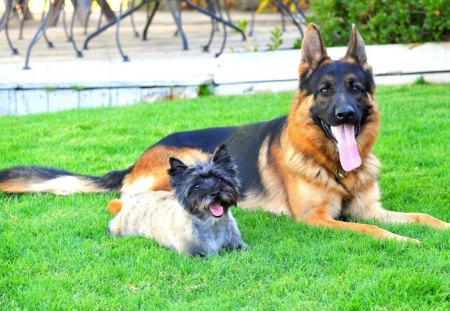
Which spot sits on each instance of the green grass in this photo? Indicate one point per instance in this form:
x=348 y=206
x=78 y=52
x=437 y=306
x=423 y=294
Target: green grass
x=55 y=252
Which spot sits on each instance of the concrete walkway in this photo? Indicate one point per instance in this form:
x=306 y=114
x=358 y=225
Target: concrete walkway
x=392 y=64
x=159 y=68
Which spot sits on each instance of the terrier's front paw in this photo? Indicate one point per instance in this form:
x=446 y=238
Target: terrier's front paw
x=244 y=246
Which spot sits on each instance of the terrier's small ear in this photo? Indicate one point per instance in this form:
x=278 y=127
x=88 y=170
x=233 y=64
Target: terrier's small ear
x=313 y=49
x=176 y=166
x=356 y=48
x=221 y=154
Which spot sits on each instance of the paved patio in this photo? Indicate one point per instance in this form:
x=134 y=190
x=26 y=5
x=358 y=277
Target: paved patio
x=160 y=69
x=162 y=45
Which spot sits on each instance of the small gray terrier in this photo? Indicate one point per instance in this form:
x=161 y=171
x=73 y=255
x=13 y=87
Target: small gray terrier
x=196 y=218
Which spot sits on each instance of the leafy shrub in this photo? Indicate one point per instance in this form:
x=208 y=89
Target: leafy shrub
x=382 y=21
x=275 y=39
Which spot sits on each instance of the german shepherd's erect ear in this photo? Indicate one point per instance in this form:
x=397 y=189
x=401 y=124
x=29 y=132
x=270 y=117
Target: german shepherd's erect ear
x=313 y=51
x=356 y=49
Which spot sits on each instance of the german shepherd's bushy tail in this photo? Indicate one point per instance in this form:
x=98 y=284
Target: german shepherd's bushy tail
x=41 y=179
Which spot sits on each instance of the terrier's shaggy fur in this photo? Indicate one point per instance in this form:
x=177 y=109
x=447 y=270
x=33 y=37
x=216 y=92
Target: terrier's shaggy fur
x=195 y=219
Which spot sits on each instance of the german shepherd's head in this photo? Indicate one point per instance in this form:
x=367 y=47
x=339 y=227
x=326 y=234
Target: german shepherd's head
x=335 y=117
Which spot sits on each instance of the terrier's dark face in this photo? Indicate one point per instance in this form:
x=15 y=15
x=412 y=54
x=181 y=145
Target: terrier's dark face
x=206 y=189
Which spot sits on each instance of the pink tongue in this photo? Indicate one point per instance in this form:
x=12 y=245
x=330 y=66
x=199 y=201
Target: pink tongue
x=348 y=149
x=216 y=209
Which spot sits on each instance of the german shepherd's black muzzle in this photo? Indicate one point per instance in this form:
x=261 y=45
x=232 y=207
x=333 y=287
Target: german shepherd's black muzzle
x=340 y=107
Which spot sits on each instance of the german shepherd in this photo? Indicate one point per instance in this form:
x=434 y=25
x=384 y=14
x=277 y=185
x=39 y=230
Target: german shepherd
x=315 y=164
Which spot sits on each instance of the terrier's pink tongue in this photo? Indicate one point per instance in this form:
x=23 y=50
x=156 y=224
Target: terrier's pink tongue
x=216 y=209
x=348 y=149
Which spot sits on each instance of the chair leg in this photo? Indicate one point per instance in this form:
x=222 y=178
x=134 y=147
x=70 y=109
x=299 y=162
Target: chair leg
x=24 y=17
x=110 y=23
x=224 y=39
x=5 y=20
x=285 y=11
x=150 y=18
x=37 y=35
x=72 y=24
x=133 y=24
x=252 y=20
x=219 y=19
x=119 y=46
x=51 y=11
x=177 y=18
x=213 y=27
x=14 y=50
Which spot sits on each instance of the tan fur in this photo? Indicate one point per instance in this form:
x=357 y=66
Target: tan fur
x=274 y=200
x=156 y=215
x=159 y=216
x=150 y=171
x=114 y=206
x=302 y=175
x=13 y=187
x=305 y=168
x=64 y=185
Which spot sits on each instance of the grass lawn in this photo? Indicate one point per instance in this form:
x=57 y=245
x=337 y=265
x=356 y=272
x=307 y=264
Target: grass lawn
x=55 y=252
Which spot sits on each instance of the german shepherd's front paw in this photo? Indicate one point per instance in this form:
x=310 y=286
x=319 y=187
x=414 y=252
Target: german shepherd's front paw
x=415 y=241
x=446 y=226
x=406 y=239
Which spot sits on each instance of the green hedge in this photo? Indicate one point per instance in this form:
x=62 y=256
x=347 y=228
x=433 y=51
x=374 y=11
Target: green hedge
x=382 y=21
